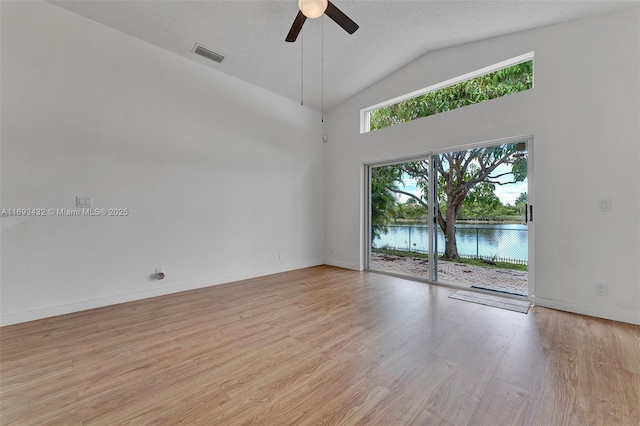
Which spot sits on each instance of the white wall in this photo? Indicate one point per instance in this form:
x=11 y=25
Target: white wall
x=583 y=113
x=223 y=180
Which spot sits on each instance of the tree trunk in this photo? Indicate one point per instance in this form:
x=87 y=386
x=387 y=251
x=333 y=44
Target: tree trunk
x=455 y=198
x=451 y=246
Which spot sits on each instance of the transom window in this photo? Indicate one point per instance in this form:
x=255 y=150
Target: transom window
x=505 y=78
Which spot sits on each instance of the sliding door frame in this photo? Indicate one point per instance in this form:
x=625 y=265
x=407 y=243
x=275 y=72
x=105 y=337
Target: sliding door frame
x=367 y=201
x=430 y=157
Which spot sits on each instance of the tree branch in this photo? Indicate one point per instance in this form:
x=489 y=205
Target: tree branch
x=500 y=175
x=485 y=172
x=501 y=183
x=415 y=197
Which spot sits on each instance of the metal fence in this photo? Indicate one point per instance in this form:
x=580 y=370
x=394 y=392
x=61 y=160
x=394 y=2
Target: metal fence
x=501 y=243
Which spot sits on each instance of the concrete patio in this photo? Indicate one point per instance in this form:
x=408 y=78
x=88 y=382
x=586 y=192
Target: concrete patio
x=503 y=280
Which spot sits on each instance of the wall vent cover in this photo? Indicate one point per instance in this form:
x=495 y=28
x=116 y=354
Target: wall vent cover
x=198 y=49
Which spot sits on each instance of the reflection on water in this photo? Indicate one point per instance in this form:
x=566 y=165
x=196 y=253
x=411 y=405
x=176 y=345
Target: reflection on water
x=506 y=241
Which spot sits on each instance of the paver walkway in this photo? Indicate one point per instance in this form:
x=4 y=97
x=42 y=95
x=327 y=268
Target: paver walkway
x=504 y=280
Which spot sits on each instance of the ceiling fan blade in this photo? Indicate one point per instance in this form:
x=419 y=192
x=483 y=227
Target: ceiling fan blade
x=340 y=18
x=296 y=27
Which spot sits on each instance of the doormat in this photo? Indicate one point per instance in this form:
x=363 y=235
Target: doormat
x=499 y=291
x=495 y=301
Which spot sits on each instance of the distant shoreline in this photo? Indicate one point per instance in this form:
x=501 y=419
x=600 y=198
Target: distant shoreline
x=466 y=221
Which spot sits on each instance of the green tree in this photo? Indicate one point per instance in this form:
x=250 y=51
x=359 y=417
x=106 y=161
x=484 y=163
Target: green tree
x=383 y=199
x=410 y=210
x=483 y=195
x=481 y=202
x=521 y=203
x=459 y=173
x=522 y=199
x=506 y=81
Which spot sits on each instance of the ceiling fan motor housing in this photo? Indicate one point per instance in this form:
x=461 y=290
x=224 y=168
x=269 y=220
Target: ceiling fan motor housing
x=312 y=8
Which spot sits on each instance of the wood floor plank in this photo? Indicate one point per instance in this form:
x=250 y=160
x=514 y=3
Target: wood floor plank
x=456 y=400
x=427 y=418
x=319 y=345
x=501 y=404
x=525 y=355
x=410 y=387
x=553 y=399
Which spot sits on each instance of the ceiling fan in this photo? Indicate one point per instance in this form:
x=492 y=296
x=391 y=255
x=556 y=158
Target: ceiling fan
x=314 y=9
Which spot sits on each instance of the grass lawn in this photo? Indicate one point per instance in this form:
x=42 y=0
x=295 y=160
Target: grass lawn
x=476 y=262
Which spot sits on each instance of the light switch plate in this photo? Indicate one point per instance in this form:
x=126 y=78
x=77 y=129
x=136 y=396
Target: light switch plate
x=605 y=205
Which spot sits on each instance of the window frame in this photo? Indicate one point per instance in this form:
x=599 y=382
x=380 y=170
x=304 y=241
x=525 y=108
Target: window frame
x=365 y=113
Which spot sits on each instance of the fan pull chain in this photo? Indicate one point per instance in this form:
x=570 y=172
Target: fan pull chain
x=302 y=67
x=322 y=72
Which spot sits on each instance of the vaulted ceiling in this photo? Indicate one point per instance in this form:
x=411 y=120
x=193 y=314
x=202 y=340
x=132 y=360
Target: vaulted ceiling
x=392 y=33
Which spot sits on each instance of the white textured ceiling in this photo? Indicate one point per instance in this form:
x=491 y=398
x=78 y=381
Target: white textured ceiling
x=392 y=33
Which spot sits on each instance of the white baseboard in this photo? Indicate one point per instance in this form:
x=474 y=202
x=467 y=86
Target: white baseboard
x=52 y=311
x=632 y=317
x=344 y=265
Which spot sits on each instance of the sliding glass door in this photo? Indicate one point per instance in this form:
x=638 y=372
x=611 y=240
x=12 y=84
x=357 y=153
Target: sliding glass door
x=474 y=233
x=400 y=239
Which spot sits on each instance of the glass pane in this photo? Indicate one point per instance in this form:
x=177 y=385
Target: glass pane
x=481 y=234
x=506 y=81
x=482 y=231
x=399 y=219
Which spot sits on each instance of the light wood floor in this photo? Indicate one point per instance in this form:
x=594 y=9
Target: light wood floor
x=319 y=346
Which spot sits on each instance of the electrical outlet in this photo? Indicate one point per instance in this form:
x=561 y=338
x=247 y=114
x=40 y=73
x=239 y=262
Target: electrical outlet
x=159 y=274
x=602 y=289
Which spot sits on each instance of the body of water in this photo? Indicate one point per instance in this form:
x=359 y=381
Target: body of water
x=505 y=241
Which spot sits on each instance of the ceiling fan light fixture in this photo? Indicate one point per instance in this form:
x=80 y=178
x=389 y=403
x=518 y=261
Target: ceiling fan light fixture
x=312 y=8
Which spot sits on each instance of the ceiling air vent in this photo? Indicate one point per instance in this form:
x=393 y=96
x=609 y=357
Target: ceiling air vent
x=206 y=53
